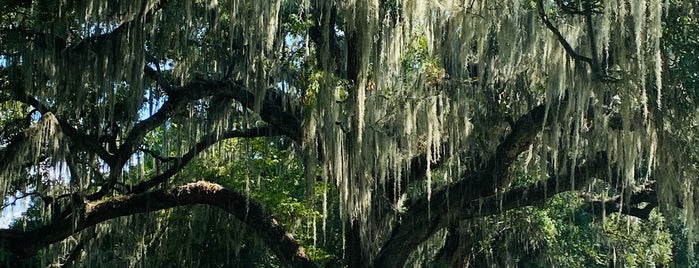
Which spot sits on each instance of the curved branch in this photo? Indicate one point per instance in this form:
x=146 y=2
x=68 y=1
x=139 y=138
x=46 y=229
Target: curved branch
x=474 y=184
x=79 y=139
x=62 y=45
x=272 y=110
x=275 y=109
x=457 y=202
x=559 y=36
x=639 y=204
x=598 y=208
x=281 y=243
x=587 y=12
x=517 y=141
x=537 y=193
x=196 y=149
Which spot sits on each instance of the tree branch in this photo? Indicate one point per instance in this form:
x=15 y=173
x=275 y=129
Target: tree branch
x=474 y=184
x=94 y=42
x=272 y=110
x=587 y=11
x=275 y=110
x=157 y=156
x=559 y=36
x=517 y=141
x=631 y=207
x=202 y=145
x=85 y=142
x=281 y=243
x=457 y=203
x=75 y=253
x=537 y=193
x=599 y=207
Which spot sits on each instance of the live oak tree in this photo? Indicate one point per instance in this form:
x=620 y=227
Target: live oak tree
x=411 y=123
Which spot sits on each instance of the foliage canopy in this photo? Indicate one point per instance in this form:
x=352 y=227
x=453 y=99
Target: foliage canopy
x=379 y=133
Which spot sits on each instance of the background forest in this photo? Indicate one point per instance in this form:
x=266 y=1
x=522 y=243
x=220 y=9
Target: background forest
x=377 y=133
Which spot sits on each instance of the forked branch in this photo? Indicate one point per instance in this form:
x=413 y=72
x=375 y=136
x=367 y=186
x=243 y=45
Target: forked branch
x=569 y=49
x=587 y=12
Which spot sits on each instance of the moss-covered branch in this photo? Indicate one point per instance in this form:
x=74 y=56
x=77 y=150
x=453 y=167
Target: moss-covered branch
x=457 y=202
x=281 y=243
x=202 y=145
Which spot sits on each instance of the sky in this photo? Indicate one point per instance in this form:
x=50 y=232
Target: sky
x=12 y=212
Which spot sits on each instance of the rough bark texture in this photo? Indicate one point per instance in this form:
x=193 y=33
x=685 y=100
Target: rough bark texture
x=457 y=203
x=282 y=243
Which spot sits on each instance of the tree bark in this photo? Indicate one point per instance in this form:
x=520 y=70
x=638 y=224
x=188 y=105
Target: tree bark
x=455 y=251
x=458 y=202
x=356 y=255
x=280 y=242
